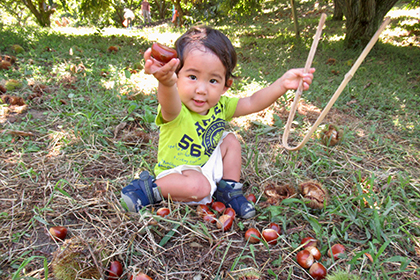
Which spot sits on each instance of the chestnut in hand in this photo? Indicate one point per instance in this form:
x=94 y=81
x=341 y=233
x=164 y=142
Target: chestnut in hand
x=163 y=53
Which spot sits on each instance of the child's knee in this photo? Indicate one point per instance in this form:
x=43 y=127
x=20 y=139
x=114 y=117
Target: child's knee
x=231 y=140
x=199 y=187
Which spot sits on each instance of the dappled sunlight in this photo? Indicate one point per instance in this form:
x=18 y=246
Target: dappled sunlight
x=404 y=33
x=336 y=38
x=58 y=140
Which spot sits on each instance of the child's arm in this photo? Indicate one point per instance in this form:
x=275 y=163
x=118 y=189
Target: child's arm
x=267 y=96
x=167 y=93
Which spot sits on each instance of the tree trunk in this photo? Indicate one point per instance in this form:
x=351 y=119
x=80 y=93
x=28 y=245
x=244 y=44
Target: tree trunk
x=161 y=8
x=41 y=11
x=338 y=11
x=363 y=19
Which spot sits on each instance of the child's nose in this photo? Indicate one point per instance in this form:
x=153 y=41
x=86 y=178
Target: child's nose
x=201 y=88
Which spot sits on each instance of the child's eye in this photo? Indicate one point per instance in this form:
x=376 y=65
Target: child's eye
x=213 y=81
x=193 y=77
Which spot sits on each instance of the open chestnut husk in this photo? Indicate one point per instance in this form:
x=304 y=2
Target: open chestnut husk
x=331 y=135
x=276 y=193
x=314 y=193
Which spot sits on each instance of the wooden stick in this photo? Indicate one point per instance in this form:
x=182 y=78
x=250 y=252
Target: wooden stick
x=300 y=88
x=343 y=84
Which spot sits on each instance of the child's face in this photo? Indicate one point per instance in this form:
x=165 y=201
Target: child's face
x=201 y=81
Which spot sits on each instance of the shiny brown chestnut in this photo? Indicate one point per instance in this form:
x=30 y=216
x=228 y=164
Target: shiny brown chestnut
x=318 y=271
x=305 y=259
x=115 y=270
x=163 y=53
x=58 y=233
x=252 y=234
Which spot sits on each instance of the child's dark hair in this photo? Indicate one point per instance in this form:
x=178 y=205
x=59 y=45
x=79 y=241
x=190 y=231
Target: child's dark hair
x=211 y=39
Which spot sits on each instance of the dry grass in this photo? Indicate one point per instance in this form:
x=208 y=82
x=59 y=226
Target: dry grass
x=75 y=180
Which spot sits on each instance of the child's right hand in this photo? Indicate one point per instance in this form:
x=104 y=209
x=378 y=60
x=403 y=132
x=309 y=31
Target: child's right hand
x=164 y=73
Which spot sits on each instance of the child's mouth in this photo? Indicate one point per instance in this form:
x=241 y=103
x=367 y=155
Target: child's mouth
x=199 y=103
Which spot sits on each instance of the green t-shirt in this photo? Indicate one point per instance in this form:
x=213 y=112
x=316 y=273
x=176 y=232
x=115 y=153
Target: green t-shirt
x=191 y=138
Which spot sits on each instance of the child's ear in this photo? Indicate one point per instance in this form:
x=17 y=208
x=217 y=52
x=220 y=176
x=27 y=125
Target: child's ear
x=228 y=84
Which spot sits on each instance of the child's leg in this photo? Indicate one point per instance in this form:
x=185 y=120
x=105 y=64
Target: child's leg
x=232 y=160
x=189 y=186
x=229 y=190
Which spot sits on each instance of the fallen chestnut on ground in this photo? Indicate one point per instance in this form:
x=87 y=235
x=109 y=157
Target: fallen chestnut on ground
x=336 y=250
x=58 y=233
x=270 y=236
x=202 y=210
x=309 y=241
x=252 y=235
x=115 y=270
x=219 y=207
x=318 y=271
x=140 y=276
x=276 y=227
x=251 y=197
x=210 y=217
x=163 y=53
x=163 y=212
x=305 y=259
x=225 y=222
x=314 y=252
x=229 y=211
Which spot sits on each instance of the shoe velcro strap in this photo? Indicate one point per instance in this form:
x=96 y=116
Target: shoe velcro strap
x=144 y=176
x=235 y=193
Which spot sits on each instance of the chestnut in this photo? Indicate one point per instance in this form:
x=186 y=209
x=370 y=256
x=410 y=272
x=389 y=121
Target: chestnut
x=163 y=53
x=210 y=217
x=251 y=197
x=141 y=276
x=58 y=233
x=314 y=252
x=318 y=271
x=252 y=235
x=305 y=259
x=309 y=241
x=270 y=236
x=202 y=210
x=229 y=211
x=225 y=222
x=218 y=206
x=276 y=227
x=115 y=270
x=336 y=250
x=163 y=212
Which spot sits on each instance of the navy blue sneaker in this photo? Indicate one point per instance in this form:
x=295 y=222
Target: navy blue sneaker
x=230 y=193
x=141 y=192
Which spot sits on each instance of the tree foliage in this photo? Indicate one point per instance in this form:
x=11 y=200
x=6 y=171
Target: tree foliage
x=40 y=9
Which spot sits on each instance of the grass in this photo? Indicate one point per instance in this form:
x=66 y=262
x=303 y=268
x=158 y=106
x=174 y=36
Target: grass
x=90 y=131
